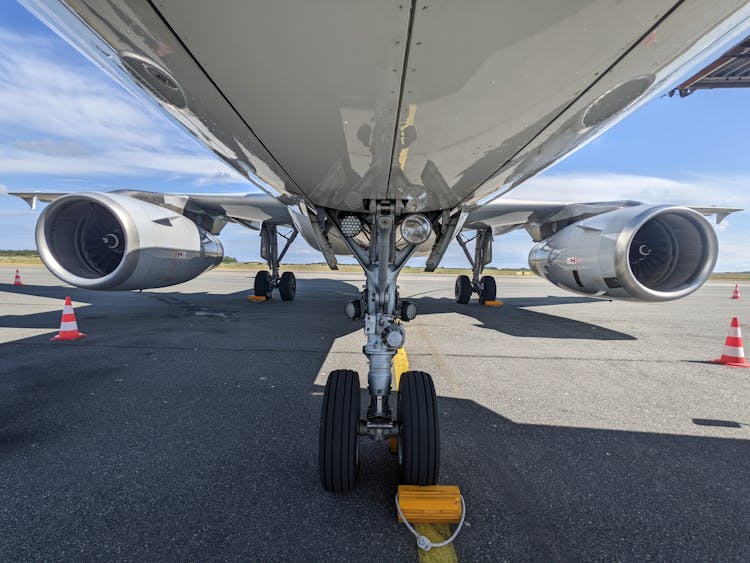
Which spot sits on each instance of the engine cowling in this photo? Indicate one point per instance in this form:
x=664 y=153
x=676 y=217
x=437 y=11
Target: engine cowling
x=116 y=242
x=644 y=252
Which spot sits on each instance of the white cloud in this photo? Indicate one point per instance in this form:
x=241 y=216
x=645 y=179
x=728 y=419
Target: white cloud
x=83 y=123
x=52 y=147
x=719 y=191
x=115 y=162
x=221 y=177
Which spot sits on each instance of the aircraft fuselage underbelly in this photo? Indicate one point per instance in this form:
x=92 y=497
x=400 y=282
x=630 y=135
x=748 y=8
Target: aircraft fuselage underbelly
x=440 y=104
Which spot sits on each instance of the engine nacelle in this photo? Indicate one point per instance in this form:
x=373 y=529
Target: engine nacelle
x=113 y=241
x=645 y=253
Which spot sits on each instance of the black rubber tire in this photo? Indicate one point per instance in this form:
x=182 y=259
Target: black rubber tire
x=463 y=289
x=338 y=445
x=419 y=435
x=287 y=286
x=489 y=289
x=262 y=284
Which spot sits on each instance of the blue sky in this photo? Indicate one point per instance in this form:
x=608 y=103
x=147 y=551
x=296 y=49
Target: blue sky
x=65 y=126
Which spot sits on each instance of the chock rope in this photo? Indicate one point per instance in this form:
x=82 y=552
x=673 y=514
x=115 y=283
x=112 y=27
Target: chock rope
x=423 y=542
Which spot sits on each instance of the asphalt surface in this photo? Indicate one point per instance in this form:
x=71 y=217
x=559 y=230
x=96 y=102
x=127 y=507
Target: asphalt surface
x=184 y=426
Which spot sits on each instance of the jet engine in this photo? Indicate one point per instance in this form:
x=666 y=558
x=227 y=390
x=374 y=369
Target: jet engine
x=113 y=241
x=644 y=253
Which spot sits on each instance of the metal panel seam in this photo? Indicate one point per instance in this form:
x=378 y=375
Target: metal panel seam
x=221 y=93
x=581 y=95
x=404 y=70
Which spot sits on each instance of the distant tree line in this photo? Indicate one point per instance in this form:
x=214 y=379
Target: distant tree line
x=30 y=253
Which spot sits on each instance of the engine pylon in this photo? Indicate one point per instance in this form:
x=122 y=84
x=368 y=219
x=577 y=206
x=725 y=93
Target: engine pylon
x=18 y=281
x=736 y=292
x=68 y=324
x=734 y=351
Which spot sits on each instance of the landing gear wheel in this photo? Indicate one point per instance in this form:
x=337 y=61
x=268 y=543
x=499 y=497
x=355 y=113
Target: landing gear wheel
x=419 y=437
x=263 y=284
x=287 y=286
x=463 y=289
x=489 y=289
x=338 y=446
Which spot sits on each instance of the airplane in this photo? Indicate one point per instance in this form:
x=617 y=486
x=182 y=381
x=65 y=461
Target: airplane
x=383 y=131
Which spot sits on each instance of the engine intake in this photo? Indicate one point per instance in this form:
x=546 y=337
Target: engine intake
x=644 y=252
x=113 y=241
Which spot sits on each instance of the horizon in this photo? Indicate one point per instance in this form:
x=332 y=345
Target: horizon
x=4 y=253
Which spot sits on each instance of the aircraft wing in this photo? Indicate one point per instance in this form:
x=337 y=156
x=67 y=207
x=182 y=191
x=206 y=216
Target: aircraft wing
x=213 y=211
x=32 y=198
x=210 y=211
x=132 y=239
x=541 y=218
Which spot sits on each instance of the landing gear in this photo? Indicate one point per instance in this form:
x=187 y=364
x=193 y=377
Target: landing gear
x=265 y=281
x=287 y=286
x=338 y=449
x=485 y=286
x=262 y=285
x=463 y=289
x=372 y=238
x=419 y=438
x=489 y=289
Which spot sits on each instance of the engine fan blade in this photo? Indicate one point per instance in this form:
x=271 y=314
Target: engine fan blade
x=102 y=242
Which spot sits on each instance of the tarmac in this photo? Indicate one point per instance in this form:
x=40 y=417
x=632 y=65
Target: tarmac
x=184 y=426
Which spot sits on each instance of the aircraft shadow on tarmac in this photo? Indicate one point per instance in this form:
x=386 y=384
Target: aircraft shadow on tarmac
x=513 y=318
x=160 y=453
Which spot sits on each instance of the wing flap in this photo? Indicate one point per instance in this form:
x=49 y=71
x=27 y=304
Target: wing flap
x=209 y=211
x=720 y=212
x=541 y=219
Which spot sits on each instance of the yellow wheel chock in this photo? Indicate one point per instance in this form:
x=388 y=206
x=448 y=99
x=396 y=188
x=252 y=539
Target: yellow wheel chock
x=437 y=504
x=257 y=298
x=493 y=303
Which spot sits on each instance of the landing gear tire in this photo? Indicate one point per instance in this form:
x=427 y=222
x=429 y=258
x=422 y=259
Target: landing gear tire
x=463 y=289
x=419 y=435
x=338 y=445
x=262 y=284
x=489 y=289
x=287 y=286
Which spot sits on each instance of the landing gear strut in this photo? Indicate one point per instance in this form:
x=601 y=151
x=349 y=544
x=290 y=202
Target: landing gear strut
x=484 y=286
x=265 y=281
x=415 y=422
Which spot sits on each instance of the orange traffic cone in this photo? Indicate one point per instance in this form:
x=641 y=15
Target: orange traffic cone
x=734 y=351
x=68 y=325
x=18 y=279
x=736 y=294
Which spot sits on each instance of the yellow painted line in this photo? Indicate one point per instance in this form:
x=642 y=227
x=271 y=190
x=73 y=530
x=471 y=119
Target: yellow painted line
x=435 y=532
x=409 y=121
x=400 y=366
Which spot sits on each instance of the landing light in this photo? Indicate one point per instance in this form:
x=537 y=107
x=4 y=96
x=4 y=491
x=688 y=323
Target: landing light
x=416 y=228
